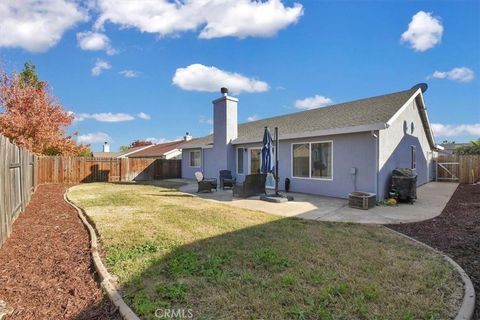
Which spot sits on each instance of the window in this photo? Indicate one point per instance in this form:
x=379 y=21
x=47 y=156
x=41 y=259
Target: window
x=321 y=160
x=195 y=158
x=312 y=160
x=300 y=160
x=240 y=152
x=255 y=158
x=413 y=155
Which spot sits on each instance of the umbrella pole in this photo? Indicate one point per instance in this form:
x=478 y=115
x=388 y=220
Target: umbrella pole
x=276 y=161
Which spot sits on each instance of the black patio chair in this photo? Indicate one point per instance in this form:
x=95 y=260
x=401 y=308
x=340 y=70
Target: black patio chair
x=253 y=185
x=205 y=184
x=226 y=179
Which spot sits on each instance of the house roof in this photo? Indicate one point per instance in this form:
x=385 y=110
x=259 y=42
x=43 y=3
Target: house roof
x=105 y=154
x=157 y=150
x=355 y=116
x=450 y=147
x=117 y=154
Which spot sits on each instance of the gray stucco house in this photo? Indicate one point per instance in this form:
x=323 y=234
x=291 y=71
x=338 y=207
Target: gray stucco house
x=327 y=151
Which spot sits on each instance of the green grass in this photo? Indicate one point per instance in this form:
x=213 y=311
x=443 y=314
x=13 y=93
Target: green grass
x=173 y=250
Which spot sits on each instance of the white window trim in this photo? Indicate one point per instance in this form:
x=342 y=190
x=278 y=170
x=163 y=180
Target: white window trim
x=243 y=158
x=190 y=158
x=250 y=157
x=309 y=160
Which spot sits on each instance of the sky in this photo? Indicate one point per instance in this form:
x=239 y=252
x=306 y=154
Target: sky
x=149 y=69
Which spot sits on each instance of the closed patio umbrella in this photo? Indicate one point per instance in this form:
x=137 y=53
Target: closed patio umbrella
x=267 y=152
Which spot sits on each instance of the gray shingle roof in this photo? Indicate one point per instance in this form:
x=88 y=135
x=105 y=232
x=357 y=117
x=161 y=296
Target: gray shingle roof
x=363 y=112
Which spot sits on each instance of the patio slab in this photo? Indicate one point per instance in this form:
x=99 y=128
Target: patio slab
x=432 y=198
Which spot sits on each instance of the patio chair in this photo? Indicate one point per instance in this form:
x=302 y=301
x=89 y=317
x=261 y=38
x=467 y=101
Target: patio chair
x=226 y=179
x=253 y=185
x=205 y=184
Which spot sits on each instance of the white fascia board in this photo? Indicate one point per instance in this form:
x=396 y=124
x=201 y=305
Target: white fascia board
x=172 y=151
x=196 y=146
x=128 y=153
x=429 y=129
x=405 y=105
x=423 y=114
x=319 y=133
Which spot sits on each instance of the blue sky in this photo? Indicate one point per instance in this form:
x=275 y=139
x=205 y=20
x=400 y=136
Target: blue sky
x=157 y=79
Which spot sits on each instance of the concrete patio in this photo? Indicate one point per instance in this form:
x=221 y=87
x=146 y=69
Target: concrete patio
x=432 y=198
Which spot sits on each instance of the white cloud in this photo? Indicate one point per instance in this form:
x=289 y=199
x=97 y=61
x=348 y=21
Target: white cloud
x=104 y=117
x=253 y=118
x=213 y=18
x=205 y=120
x=36 y=26
x=93 y=138
x=424 y=31
x=313 y=102
x=99 y=66
x=198 y=77
x=447 y=130
x=461 y=74
x=157 y=140
x=144 y=116
x=95 y=41
x=129 y=73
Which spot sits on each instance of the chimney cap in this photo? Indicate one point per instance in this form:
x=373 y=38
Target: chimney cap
x=224 y=90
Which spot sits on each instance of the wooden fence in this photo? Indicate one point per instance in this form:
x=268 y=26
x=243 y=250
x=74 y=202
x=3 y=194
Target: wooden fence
x=461 y=168
x=80 y=169
x=18 y=180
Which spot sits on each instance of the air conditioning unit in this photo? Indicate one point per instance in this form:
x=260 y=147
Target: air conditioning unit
x=361 y=200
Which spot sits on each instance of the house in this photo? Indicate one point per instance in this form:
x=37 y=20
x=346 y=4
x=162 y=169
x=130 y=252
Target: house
x=168 y=150
x=120 y=154
x=329 y=151
x=449 y=148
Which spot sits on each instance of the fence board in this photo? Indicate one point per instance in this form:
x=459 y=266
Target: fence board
x=18 y=180
x=81 y=169
x=467 y=170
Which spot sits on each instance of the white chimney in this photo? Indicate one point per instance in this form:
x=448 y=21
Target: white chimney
x=106 y=147
x=225 y=123
x=225 y=129
x=187 y=136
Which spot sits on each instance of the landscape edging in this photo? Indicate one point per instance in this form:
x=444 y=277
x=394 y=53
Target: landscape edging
x=468 y=304
x=106 y=280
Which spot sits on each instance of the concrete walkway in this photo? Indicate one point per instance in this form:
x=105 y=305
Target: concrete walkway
x=432 y=198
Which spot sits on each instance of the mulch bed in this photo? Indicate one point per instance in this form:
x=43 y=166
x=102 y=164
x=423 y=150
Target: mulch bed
x=456 y=232
x=46 y=271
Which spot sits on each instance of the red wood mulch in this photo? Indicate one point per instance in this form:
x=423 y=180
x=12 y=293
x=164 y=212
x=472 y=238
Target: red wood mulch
x=46 y=271
x=456 y=232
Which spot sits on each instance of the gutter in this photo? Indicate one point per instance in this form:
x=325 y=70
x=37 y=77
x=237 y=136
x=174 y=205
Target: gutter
x=317 y=133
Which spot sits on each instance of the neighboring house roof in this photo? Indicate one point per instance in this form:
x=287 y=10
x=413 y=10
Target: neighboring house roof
x=360 y=115
x=450 y=147
x=129 y=151
x=158 y=150
x=105 y=154
x=118 y=154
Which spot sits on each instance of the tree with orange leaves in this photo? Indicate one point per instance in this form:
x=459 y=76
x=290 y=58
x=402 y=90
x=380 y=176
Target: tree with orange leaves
x=31 y=116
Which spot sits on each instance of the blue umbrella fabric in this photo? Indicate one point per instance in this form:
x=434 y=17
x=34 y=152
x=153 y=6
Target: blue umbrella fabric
x=267 y=152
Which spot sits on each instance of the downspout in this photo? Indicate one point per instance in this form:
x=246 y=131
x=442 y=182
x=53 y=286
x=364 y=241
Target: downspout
x=203 y=160
x=376 y=157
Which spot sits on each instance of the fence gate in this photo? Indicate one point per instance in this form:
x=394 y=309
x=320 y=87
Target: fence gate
x=448 y=171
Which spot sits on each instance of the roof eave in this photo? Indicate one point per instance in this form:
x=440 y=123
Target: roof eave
x=318 y=133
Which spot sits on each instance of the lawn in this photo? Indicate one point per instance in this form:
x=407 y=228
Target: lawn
x=173 y=250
